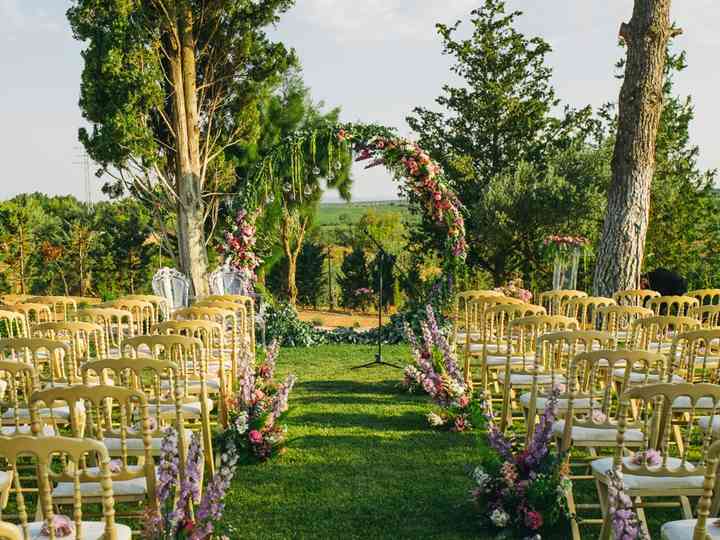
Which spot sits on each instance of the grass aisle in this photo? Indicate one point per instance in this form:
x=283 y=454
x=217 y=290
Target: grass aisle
x=361 y=461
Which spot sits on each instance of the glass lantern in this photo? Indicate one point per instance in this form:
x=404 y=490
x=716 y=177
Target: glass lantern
x=565 y=270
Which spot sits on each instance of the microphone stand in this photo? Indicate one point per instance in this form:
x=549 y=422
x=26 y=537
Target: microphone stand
x=378 y=355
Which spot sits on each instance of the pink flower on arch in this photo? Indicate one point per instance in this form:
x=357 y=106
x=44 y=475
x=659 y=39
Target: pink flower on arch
x=255 y=436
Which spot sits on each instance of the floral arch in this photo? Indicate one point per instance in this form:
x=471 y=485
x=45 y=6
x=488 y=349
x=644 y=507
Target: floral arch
x=288 y=165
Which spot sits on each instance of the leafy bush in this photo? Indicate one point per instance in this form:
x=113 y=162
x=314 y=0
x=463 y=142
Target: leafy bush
x=282 y=323
x=355 y=276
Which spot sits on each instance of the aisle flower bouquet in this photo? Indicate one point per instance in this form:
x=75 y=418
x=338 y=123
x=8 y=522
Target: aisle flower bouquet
x=180 y=513
x=514 y=289
x=520 y=492
x=436 y=372
x=256 y=412
x=239 y=248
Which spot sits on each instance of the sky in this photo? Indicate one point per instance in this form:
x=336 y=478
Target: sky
x=376 y=59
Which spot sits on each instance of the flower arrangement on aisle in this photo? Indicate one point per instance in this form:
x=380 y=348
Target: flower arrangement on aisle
x=625 y=523
x=514 y=289
x=181 y=514
x=426 y=184
x=239 y=248
x=521 y=492
x=436 y=371
x=256 y=412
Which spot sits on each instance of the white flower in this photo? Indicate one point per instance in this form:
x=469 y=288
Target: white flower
x=241 y=422
x=435 y=420
x=499 y=518
x=481 y=477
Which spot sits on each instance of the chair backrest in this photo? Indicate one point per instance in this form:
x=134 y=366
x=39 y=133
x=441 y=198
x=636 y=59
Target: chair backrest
x=585 y=310
x=707 y=314
x=526 y=331
x=226 y=280
x=656 y=333
x=554 y=301
x=697 y=355
x=86 y=340
x=173 y=286
x=143 y=312
x=10 y=531
x=34 y=312
x=679 y=306
x=634 y=297
x=13 y=323
x=592 y=375
x=51 y=359
x=618 y=319
x=117 y=324
x=707 y=505
x=105 y=413
x=51 y=453
x=460 y=304
x=12 y=299
x=160 y=304
x=19 y=381
x=62 y=307
x=658 y=405
x=706 y=297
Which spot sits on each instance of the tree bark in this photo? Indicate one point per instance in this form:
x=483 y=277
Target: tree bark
x=292 y=240
x=622 y=245
x=190 y=207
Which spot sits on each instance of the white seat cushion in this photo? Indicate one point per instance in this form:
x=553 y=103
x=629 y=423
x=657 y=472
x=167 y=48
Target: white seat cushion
x=600 y=435
x=135 y=445
x=91 y=530
x=60 y=413
x=136 y=486
x=704 y=423
x=683 y=402
x=523 y=379
x=494 y=360
x=637 y=377
x=212 y=384
x=10 y=431
x=639 y=482
x=583 y=403
x=683 y=529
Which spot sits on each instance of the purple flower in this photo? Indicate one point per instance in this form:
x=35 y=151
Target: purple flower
x=169 y=467
x=213 y=501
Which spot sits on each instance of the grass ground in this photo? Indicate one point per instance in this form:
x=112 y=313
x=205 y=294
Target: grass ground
x=361 y=461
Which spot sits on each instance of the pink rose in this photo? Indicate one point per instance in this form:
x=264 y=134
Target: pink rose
x=464 y=401
x=533 y=520
x=255 y=436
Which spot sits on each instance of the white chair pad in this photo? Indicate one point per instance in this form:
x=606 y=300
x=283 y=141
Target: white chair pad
x=683 y=402
x=60 y=413
x=540 y=401
x=192 y=409
x=523 y=379
x=683 y=529
x=136 y=486
x=211 y=383
x=10 y=431
x=500 y=360
x=639 y=482
x=135 y=445
x=637 y=377
x=91 y=530
x=600 y=435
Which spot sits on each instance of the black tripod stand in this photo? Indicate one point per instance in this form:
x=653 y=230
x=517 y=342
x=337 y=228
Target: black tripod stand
x=381 y=267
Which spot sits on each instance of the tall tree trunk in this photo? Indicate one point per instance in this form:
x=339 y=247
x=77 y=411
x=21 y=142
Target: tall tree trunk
x=190 y=208
x=292 y=235
x=622 y=246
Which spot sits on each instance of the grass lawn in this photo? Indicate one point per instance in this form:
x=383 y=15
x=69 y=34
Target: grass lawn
x=361 y=461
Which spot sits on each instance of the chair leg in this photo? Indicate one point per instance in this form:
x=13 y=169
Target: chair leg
x=574 y=527
x=640 y=511
x=686 y=508
x=602 y=490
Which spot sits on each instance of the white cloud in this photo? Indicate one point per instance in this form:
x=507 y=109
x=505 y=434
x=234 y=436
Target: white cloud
x=374 y=20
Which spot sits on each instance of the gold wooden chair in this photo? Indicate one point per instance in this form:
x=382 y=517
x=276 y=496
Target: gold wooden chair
x=700 y=528
x=117 y=325
x=679 y=306
x=708 y=315
x=63 y=308
x=676 y=476
x=85 y=340
x=498 y=341
x=706 y=297
x=245 y=317
x=589 y=412
x=51 y=359
x=143 y=312
x=59 y=459
x=520 y=358
x=634 y=297
x=585 y=310
x=105 y=414
x=17 y=383
x=189 y=355
x=13 y=324
x=551 y=368
x=161 y=307
x=34 y=313
x=10 y=531
x=657 y=333
x=618 y=320
x=554 y=302
x=460 y=307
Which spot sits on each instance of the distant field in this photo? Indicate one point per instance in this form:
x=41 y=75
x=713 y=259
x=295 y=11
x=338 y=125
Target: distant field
x=332 y=214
